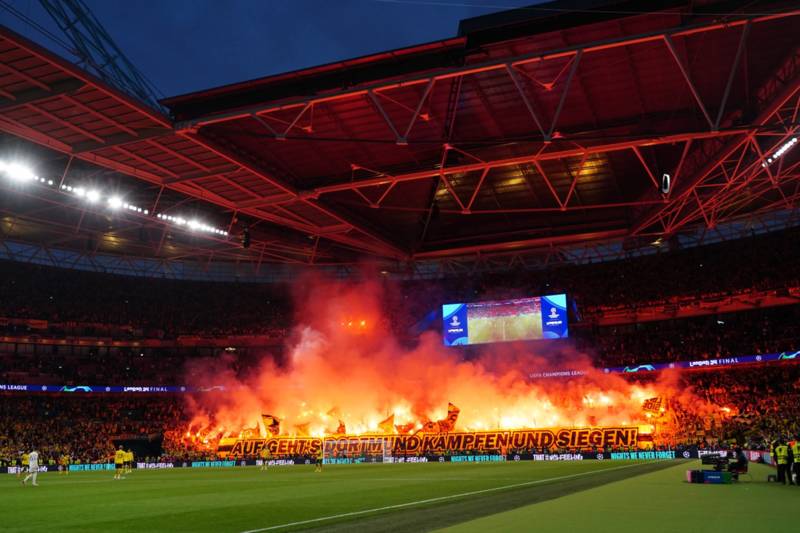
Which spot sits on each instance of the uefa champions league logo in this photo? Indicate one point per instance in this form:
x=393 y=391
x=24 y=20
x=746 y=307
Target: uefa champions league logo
x=455 y=322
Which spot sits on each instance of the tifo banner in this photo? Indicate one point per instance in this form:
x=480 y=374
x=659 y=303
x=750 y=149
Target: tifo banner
x=445 y=443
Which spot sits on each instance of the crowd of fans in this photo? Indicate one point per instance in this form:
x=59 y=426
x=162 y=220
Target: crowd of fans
x=84 y=365
x=760 y=404
x=92 y=304
x=755 y=263
x=84 y=303
x=769 y=330
x=82 y=427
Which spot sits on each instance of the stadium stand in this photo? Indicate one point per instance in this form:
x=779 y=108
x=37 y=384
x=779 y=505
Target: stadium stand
x=95 y=304
x=768 y=330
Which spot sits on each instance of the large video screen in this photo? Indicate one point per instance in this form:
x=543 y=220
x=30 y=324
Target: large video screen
x=521 y=319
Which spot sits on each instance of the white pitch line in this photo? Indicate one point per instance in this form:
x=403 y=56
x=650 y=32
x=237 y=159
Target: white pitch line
x=441 y=498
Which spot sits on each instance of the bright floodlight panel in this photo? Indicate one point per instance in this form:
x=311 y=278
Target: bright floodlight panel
x=520 y=319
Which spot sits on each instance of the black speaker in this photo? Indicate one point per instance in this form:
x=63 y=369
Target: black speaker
x=246 y=238
x=666 y=181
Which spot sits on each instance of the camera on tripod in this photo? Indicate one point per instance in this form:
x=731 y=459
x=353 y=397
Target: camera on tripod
x=717 y=461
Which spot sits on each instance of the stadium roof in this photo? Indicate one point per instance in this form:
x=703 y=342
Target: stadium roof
x=531 y=130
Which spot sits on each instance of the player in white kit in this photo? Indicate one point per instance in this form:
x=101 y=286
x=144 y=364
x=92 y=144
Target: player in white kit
x=33 y=468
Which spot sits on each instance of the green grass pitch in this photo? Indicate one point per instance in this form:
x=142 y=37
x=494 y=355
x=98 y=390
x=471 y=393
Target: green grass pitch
x=526 y=496
x=505 y=328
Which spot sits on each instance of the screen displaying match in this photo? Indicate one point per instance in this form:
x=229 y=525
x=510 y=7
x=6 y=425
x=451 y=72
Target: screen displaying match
x=521 y=319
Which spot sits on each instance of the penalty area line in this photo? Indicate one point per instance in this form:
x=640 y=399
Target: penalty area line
x=443 y=498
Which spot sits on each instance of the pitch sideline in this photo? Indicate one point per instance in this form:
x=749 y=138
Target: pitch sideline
x=443 y=498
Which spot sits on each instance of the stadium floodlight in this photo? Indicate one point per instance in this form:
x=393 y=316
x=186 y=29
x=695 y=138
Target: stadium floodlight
x=115 y=202
x=785 y=147
x=134 y=208
x=192 y=224
x=92 y=195
x=18 y=172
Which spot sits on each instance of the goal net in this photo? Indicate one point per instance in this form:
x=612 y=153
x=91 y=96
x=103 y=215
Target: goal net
x=359 y=450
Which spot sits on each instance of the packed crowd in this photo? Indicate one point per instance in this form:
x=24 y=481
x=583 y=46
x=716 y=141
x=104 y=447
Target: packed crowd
x=119 y=366
x=82 y=427
x=87 y=303
x=759 y=262
x=84 y=303
x=87 y=365
x=760 y=404
x=769 y=330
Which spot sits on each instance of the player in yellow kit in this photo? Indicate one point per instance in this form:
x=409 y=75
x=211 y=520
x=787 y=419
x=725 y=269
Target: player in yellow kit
x=264 y=458
x=320 y=459
x=129 y=460
x=24 y=467
x=119 y=463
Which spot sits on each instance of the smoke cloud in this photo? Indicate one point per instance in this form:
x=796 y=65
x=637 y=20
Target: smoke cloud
x=343 y=364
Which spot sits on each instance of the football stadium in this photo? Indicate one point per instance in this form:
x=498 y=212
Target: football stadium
x=534 y=268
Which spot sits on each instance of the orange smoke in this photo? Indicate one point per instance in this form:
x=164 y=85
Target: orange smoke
x=337 y=371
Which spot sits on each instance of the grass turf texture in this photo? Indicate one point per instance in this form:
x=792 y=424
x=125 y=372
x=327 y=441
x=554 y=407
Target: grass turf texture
x=240 y=499
x=658 y=503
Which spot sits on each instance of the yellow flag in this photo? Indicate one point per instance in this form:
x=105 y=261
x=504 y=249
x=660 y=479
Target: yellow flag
x=387 y=425
x=272 y=424
x=449 y=423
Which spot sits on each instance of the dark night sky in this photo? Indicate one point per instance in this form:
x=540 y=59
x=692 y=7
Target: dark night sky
x=189 y=45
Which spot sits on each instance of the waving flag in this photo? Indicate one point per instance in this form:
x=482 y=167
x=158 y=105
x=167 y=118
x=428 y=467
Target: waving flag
x=272 y=424
x=652 y=405
x=449 y=423
x=387 y=425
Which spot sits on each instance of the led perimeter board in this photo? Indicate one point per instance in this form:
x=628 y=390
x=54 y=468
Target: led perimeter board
x=521 y=319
